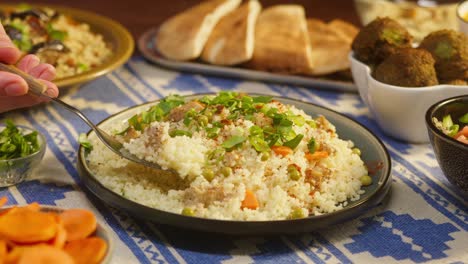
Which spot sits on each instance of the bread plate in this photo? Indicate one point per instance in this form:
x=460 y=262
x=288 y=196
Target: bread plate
x=147 y=48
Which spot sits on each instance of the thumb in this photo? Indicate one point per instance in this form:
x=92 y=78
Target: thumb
x=8 y=52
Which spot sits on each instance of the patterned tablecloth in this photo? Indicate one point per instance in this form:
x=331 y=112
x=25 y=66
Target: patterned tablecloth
x=425 y=219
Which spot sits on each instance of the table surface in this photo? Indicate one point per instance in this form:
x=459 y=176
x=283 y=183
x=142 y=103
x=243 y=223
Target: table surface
x=424 y=219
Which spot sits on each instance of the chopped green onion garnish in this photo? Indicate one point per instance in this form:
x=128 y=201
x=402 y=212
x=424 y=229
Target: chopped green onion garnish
x=84 y=142
x=293 y=143
x=312 y=145
x=464 y=119
x=233 y=141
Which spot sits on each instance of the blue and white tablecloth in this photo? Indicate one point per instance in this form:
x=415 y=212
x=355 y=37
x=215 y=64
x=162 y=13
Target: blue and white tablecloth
x=425 y=220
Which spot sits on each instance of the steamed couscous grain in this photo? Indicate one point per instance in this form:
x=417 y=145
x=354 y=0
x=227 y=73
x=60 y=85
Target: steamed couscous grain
x=238 y=157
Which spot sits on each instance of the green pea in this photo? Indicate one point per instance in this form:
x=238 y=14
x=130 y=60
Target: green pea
x=265 y=156
x=294 y=173
x=296 y=214
x=226 y=171
x=366 y=180
x=356 y=151
x=208 y=174
x=188 y=212
x=203 y=120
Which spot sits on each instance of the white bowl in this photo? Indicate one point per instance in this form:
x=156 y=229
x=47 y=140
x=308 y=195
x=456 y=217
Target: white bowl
x=399 y=111
x=462 y=11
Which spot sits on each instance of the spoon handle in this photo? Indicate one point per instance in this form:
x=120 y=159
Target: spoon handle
x=35 y=87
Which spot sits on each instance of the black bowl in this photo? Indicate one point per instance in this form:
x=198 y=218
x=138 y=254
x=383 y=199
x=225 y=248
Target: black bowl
x=451 y=154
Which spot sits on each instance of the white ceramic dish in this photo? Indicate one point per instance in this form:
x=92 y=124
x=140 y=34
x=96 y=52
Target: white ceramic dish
x=399 y=111
x=462 y=11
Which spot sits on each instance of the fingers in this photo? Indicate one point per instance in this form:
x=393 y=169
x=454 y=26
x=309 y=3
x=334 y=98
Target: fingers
x=52 y=89
x=8 y=52
x=28 y=62
x=12 y=85
x=43 y=71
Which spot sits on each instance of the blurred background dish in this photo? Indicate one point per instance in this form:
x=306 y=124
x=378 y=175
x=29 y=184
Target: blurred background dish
x=115 y=38
x=398 y=110
x=462 y=15
x=419 y=17
x=451 y=154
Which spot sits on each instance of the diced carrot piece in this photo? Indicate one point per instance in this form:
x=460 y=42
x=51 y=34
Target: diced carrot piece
x=3 y=201
x=87 y=251
x=79 y=223
x=317 y=155
x=27 y=226
x=463 y=132
x=38 y=254
x=250 y=200
x=282 y=150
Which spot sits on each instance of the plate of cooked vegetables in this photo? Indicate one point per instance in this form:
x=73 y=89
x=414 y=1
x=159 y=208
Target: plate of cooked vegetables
x=236 y=163
x=81 y=45
x=36 y=233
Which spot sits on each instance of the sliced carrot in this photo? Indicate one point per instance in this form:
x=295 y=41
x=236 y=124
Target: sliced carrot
x=3 y=250
x=79 y=223
x=87 y=251
x=60 y=238
x=38 y=254
x=250 y=200
x=282 y=150
x=317 y=155
x=26 y=226
x=33 y=207
x=3 y=201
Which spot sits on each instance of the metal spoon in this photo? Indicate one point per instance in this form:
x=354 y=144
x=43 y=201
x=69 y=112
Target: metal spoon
x=37 y=88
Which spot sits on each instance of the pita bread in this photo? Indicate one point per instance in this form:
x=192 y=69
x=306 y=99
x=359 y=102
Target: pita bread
x=281 y=41
x=331 y=44
x=183 y=36
x=232 y=40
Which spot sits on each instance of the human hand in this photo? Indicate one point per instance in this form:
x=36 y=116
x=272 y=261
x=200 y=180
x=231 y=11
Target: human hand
x=13 y=88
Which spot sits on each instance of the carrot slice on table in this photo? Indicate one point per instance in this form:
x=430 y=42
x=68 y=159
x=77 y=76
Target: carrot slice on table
x=250 y=200
x=282 y=150
x=26 y=226
x=317 y=155
x=39 y=254
x=79 y=223
x=87 y=251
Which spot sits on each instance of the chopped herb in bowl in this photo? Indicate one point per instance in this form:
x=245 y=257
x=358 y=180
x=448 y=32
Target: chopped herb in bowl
x=21 y=150
x=16 y=144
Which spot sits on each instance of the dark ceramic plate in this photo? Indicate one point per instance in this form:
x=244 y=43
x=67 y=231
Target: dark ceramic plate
x=374 y=155
x=148 y=50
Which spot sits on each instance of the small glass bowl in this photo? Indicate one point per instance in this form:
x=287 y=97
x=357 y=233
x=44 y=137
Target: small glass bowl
x=14 y=171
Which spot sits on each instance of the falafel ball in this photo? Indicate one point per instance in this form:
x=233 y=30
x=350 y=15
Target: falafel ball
x=379 y=39
x=409 y=68
x=450 y=51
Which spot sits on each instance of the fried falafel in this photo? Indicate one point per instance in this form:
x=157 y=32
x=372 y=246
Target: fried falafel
x=379 y=39
x=450 y=51
x=409 y=68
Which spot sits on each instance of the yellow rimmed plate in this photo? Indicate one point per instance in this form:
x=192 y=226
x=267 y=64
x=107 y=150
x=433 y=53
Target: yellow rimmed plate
x=115 y=35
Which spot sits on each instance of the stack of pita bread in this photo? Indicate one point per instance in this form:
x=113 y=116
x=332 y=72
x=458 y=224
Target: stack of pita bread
x=277 y=39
